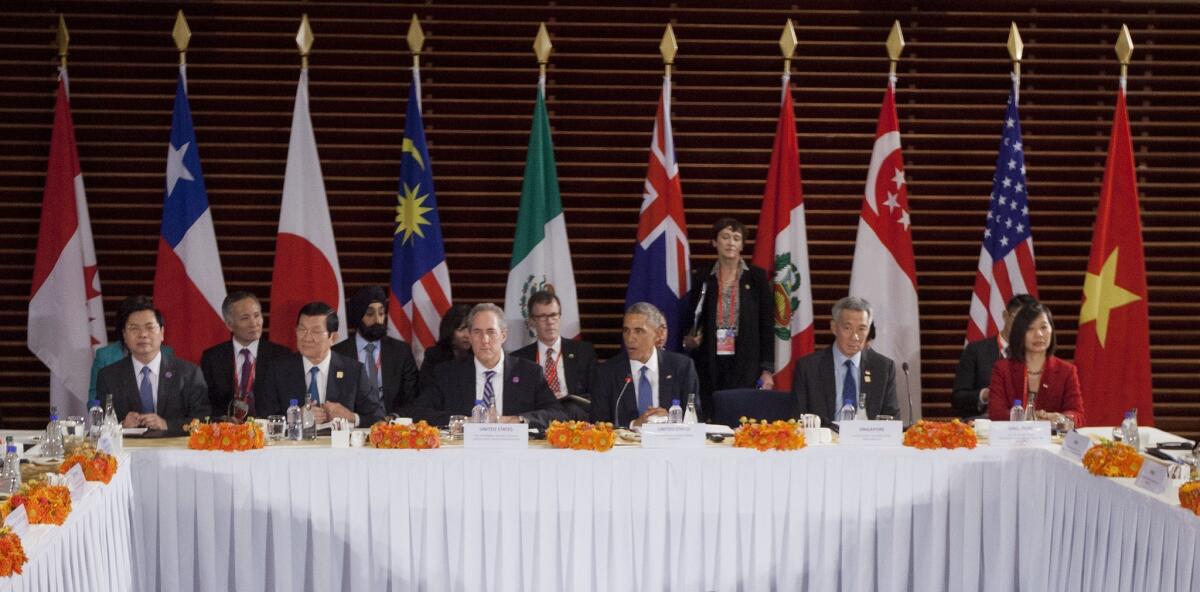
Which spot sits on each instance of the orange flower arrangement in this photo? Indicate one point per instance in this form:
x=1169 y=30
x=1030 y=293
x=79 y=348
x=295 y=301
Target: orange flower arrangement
x=1189 y=496
x=1113 y=459
x=581 y=435
x=418 y=436
x=12 y=554
x=97 y=466
x=940 y=434
x=777 y=435
x=228 y=437
x=44 y=503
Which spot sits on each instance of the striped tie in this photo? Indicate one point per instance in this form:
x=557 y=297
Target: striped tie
x=489 y=394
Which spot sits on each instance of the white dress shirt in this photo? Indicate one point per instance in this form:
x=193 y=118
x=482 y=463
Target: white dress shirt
x=322 y=375
x=238 y=361
x=651 y=372
x=839 y=373
x=154 y=366
x=497 y=383
x=558 y=363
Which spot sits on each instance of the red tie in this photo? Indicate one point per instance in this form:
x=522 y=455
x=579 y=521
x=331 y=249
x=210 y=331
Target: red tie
x=552 y=372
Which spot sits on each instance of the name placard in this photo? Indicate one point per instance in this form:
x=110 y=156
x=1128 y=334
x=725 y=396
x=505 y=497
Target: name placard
x=673 y=435
x=1152 y=477
x=105 y=445
x=1019 y=433
x=871 y=433
x=76 y=482
x=18 y=521
x=1075 y=445
x=495 y=435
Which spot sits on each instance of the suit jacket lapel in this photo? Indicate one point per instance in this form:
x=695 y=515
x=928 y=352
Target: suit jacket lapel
x=333 y=382
x=666 y=382
x=826 y=376
x=167 y=386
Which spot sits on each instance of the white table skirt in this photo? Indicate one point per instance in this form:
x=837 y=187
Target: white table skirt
x=90 y=551
x=823 y=518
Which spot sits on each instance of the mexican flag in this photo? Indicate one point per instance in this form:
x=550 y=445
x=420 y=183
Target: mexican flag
x=541 y=259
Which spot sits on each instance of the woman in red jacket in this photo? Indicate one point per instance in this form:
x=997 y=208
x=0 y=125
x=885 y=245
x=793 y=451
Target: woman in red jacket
x=1032 y=372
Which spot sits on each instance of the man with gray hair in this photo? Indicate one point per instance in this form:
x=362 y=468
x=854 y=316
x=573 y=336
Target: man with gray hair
x=232 y=368
x=641 y=381
x=848 y=372
x=514 y=387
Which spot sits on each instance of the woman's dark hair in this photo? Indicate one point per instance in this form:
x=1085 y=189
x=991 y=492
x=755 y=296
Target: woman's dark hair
x=451 y=321
x=732 y=224
x=127 y=307
x=1021 y=324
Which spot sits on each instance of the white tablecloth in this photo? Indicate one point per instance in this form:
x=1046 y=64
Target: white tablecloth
x=823 y=518
x=90 y=551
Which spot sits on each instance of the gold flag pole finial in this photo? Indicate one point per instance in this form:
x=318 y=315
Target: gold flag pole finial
x=542 y=48
x=1016 y=49
x=895 y=45
x=1124 y=51
x=416 y=39
x=304 y=40
x=182 y=34
x=63 y=39
x=787 y=46
x=668 y=47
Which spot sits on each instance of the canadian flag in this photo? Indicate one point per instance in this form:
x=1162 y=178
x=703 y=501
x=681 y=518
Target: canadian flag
x=66 y=315
x=306 y=261
x=884 y=271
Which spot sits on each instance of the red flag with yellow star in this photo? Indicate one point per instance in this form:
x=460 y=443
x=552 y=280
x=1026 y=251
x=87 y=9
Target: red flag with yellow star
x=1112 y=351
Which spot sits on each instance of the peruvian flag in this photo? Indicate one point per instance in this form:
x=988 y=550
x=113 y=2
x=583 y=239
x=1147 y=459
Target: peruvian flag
x=782 y=246
x=306 y=261
x=66 y=315
x=884 y=270
x=188 y=284
x=1112 y=350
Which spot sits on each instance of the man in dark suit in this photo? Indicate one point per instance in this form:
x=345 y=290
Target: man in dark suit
x=337 y=384
x=234 y=369
x=974 y=371
x=848 y=373
x=391 y=367
x=512 y=386
x=643 y=379
x=567 y=364
x=151 y=388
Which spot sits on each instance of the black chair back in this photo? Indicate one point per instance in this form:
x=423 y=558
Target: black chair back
x=732 y=404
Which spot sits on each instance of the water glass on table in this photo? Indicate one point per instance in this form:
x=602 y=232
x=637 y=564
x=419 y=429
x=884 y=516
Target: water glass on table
x=456 y=427
x=275 y=427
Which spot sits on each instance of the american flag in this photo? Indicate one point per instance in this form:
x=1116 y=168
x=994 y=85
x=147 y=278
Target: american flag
x=1006 y=260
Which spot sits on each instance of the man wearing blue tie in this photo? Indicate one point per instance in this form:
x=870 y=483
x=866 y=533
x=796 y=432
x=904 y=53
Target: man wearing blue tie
x=849 y=372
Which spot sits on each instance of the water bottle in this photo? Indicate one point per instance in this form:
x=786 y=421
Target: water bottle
x=479 y=412
x=689 y=416
x=310 y=421
x=675 y=413
x=1030 y=412
x=295 y=420
x=1129 y=430
x=110 y=413
x=1017 y=413
x=52 y=444
x=492 y=415
x=95 y=418
x=847 y=413
x=10 y=482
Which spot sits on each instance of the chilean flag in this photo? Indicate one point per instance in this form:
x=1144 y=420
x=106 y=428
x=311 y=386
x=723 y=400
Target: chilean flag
x=306 y=261
x=661 y=258
x=66 y=315
x=188 y=284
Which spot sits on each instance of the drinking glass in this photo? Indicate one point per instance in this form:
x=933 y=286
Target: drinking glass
x=456 y=426
x=275 y=426
x=75 y=426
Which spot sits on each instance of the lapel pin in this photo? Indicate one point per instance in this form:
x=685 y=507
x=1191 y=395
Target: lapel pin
x=867 y=377
x=571 y=356
x=669 y=377
x=516 y=379
x=340 y=374
x=747 y=286
x=168 y=374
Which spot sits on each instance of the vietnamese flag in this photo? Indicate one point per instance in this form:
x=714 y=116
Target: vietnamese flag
x=1112 y=351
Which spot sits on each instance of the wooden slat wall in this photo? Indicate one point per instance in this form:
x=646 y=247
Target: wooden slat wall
x=479 y=75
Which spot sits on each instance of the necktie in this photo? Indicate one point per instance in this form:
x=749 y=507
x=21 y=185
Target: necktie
x=552 y=372
x=849 y=388
x=489 y=394
x=313 y=393
x=372 y=367
x=246 y=384
x=146 y=391
x=645 y=392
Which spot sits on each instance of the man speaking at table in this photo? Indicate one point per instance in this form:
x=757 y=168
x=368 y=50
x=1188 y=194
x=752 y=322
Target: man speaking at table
x=336 y=383
x=847 y=371
x=514 y=386
x=152 y=388
x=640 y=382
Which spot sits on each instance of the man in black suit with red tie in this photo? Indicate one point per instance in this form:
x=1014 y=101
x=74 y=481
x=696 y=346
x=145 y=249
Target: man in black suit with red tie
x=234 y=370
x=337 y=384
x=567 y=364
x=514 y=387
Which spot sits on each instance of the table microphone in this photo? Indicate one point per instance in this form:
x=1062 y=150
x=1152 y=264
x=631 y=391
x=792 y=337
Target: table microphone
x=617 y=405
x=908 y=393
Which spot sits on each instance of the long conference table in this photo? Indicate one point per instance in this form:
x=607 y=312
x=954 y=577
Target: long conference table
x=293 y=518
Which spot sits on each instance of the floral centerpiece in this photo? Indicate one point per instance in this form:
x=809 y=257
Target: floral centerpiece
x=44 y=503
x=97 y=466
x=581 y=435
x=12 y=554
x=940 y=434
x=761 y=435
x=1189 y=494
x=228 y=437
x=417 y=436
x=1113 y=459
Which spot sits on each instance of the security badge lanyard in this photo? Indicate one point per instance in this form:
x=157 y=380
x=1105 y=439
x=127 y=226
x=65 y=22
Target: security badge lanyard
x=727 y=316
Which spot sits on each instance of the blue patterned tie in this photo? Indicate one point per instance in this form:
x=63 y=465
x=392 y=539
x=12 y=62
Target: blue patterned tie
x=645 y=391
x=313 y=393
x=849 y=388
x=489 y=393
x=146 y=391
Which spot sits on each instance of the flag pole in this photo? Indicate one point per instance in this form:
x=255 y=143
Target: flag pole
x=63 y=39
x=542 y=48
x=1124 y=52
x=182 y=34
x=1016 y=49
x=895 y=46
x=787 y=46
x=667 y=47
x=416 y=40
x=304 y=41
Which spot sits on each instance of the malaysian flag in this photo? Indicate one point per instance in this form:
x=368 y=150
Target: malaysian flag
x=1006 y=260
x=420 y=292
